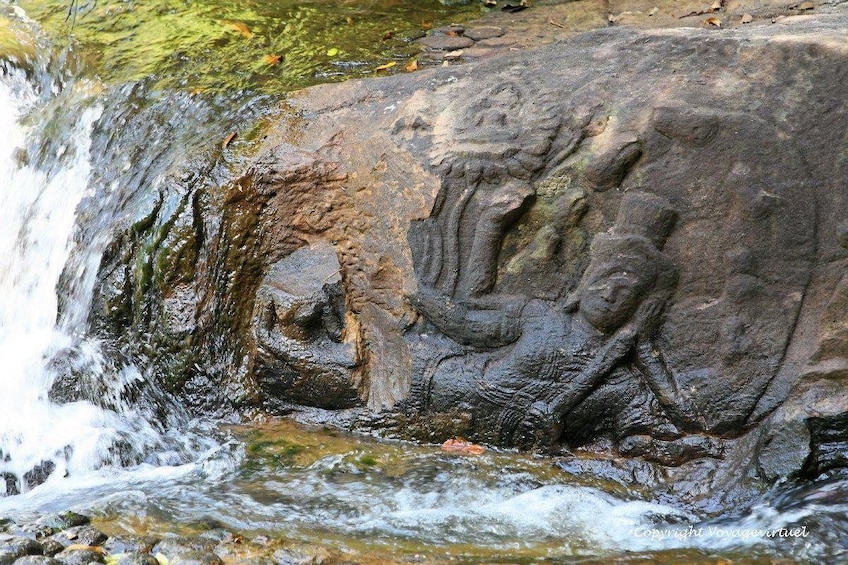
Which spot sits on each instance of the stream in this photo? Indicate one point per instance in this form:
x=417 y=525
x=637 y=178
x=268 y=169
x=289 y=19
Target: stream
x=99 y=104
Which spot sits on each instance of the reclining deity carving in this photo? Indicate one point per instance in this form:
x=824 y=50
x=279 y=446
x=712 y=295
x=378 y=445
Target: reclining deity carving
x=528 y=368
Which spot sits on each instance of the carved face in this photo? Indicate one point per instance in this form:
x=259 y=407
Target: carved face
x=611 y=294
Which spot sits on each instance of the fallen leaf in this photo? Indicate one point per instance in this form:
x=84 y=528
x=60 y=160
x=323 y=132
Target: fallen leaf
x=195 y=91
x=553 y=22
x=653 y=11
x=747 y=18
x=75 y=546
x=332 y=52
x=445 y=63
x=426 y=25
x=806 y=6
x=717 y=6
x=229 y=139
x=459 y=445
x=388 y=35
x=490 y=3
x=273 y=59
x=240 y=27
x=161 y=559
x=388 y=65
x=714 y=22
x=349 y=20
x=454 y=54
x=411 y=66
x=612 y=18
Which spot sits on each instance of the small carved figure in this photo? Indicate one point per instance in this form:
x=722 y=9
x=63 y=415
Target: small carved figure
x=527 y=364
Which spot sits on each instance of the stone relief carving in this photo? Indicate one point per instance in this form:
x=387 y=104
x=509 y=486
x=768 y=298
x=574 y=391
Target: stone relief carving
x=529 y=364
x=305 y=350
x=522 y=337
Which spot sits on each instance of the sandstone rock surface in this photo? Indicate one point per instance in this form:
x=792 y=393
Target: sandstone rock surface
x=628 y=241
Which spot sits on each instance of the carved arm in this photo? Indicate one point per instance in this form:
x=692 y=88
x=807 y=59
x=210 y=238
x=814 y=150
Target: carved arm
x=662 y=382
x=485 y=325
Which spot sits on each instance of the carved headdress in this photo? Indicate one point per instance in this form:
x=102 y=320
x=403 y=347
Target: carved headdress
x=635 y=241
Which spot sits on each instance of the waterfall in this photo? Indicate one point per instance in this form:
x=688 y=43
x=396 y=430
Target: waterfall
x=45 y=171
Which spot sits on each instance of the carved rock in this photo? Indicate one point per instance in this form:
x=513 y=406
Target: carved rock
x=635 y=251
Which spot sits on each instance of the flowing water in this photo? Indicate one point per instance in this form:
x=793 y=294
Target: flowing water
x=91 y=125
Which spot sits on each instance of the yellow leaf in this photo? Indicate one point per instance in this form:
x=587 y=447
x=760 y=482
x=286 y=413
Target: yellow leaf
x=715 y=22
x=94 y=548
x=412 y=66
x=387 y=66
x=229 y=139
x=162 y=559
x=240 y=27
x=332 y=52
x=273 y=59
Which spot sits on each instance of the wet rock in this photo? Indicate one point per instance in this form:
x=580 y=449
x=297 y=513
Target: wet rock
x=37 y=560
x=446 y=42
x=483 y=32
x=176 y=545
x=481 y=216
x=135 y=559
x=51 y=547
x=130 y=544
x=829 y=443
x=64 y=520
x=81 y=556
x=80 y=535
x=196 y=558
x=13 y=547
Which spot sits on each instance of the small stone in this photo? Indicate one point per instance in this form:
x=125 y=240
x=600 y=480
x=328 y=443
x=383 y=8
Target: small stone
x=80 y=557
x=446 y=42
x=196 y=558
x=484 y=32
x=37 y=560
x=130 y=544
x=51 y=547
x=134 y=559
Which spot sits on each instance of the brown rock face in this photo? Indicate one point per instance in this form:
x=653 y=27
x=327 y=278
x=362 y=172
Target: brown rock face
x=631 y=241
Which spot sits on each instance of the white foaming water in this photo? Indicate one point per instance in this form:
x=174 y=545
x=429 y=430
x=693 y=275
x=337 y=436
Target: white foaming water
x=37 y=214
